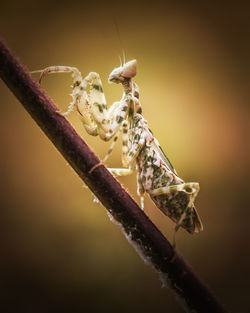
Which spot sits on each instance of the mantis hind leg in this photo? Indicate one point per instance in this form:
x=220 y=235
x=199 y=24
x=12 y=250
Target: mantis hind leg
x=121 y=171
x=191 y=190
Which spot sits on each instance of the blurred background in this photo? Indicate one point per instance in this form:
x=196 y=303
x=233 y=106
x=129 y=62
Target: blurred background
x=59 y=250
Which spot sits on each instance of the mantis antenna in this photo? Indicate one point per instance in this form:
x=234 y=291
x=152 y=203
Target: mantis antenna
x=120 y=42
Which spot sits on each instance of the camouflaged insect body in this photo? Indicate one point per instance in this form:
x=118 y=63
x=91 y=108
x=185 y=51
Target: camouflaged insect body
x=155 y=172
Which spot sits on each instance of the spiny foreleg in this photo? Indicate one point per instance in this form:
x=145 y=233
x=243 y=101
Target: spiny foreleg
x=79 y=84
x=90 y=103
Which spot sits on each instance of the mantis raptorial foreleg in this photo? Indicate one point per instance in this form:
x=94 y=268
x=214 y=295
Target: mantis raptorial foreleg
x=89 y=100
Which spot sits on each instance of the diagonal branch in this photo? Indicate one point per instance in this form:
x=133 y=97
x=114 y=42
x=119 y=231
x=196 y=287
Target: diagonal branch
x=137 y=227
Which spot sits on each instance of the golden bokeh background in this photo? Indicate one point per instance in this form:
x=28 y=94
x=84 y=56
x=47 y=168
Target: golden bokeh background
x=59 y=250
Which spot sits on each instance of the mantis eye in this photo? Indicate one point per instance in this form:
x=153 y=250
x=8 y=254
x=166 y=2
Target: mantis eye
x=129 y=69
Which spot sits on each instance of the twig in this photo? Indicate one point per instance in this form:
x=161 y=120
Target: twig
x=140 y=231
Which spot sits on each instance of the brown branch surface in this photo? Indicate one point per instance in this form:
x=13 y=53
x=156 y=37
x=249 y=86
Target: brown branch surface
x=143 y=234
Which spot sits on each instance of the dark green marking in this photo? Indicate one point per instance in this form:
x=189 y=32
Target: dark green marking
x=76 y=83
x=97 y=87
x=188 y=189
x=119 y=119
x=137 y=122
x=115 y=138
x=150 y=159
x=157 y=172
x=100 y=107
x=137 y=137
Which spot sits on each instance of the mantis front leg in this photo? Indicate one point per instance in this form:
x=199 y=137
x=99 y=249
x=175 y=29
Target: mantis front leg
x=90 y=103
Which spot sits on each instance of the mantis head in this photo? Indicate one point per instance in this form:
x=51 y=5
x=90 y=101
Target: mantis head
x=126 y=71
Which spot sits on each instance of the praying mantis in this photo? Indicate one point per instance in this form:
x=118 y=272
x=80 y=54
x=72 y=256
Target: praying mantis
x=140 y=149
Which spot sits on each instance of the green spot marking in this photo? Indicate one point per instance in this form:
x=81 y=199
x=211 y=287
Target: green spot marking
x=76 y=83
x=150 y=159
x=188 y=189
x=157 y=172
x=119 y=119
x=137 y=137
x=164 y=180
x=100 y=107
x=136 y=122
x=97 y=87
x=115 y=138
